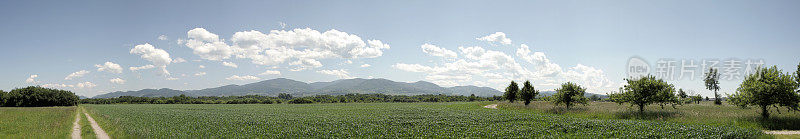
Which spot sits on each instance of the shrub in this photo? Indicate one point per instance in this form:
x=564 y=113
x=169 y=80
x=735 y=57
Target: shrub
x=300 y=101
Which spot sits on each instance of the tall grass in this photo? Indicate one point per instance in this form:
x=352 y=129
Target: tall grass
x=36 y=122
x=704 y=113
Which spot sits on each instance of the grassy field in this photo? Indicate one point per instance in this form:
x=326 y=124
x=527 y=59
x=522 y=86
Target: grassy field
x=704 y=113
x=373 y=120
x=36 y=122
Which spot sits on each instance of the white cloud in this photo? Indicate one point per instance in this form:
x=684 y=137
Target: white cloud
x=141 y=67
x=109 y=67
x=158 y=57
x=32 y=79
x=498 y=37
x=341 y=73
x=479 y=66
x=77 y=74
x=117 y=81
x=200 y=74
x=242 y=78
x=301 y=47
x=270 y=72
x=230 y=64
x=171 y=78
x=348 y=62
x=50 y=85
x=201 y=66
x=179 y=60
x=306 y=64
x=437 y=51
x=208 y=45
x=162 y=37
x=85 y=85
x=365 y=65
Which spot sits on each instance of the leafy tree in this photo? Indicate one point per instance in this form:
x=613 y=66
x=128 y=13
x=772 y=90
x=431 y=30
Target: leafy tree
x=285 y=96
x=511 y=92
x=594 y=97
x=34 y=96
x=300 y=101
x=767 y=87
x=645 y=91
x=2 y=98
x=568 y=94
x=682 y=94
x=712 y=83
x=697 y=98
x=797 y=75
x=472 y=97
x=528 y=92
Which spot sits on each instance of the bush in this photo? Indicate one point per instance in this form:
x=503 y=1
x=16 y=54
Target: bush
x=34 y=96
x=300 y=101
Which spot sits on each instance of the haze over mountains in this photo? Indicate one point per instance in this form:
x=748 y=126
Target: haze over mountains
x=274 y=87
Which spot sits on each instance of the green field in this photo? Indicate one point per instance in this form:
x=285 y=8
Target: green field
x=704 y=113
x=374 y=120
x=36 y=122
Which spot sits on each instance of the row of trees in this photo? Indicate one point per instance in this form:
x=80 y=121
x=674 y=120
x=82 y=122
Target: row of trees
x=569 y=94
x=34 y=96
x=766 y=88
x=283 y=98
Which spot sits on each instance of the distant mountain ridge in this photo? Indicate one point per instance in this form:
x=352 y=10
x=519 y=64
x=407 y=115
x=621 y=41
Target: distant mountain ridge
x=276 y=86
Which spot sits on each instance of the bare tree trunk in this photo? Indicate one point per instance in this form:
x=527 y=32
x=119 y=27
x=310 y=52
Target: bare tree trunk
x=764 y=111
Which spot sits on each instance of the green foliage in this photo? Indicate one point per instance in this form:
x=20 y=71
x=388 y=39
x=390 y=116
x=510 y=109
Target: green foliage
x=712 y=83
x=697 y=98
x=568 y=94
x=644 y=91
x=511 y=92
x=797 y=75
x=300 y=101
x=594 y=97
x=682 y=94
x=528 y=93
x=285 y=96
x=767 y=87
x=3 y=98
x=34 y=96
x=379 y=120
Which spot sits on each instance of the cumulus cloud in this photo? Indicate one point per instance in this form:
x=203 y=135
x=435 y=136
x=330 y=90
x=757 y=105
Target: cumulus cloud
x=200 y=74
x=77 y=74
x=85 y=85
x=201 y=66
x=109 y=67
x=117 y=81
x=341 y=73
x=365 y=65
x=158 y=57
x=208 y=45
x=230 y=64
x=479 y=66
x=301 y=47
x=498 y=37
x=171 y=78
x=50 y=85
x=141 y=67
x=32 y=79
x=162 y=37
x=437 y=51
x=179 y=60
x=242 y=78
x=270 y=72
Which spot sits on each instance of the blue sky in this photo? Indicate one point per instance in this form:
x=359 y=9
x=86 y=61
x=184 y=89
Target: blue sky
x=588 y=42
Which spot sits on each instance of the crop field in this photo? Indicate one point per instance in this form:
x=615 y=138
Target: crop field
x=373 y=120
x=704 y=113
x=40 y=122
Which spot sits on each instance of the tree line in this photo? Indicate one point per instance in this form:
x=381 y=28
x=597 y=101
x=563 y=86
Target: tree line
x=766 y=88
x=35 y=96
x=286 y=98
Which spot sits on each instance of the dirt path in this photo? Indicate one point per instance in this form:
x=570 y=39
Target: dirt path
x=76 y=128
x=491 y=106
x=782 y=132
x=101 y=134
